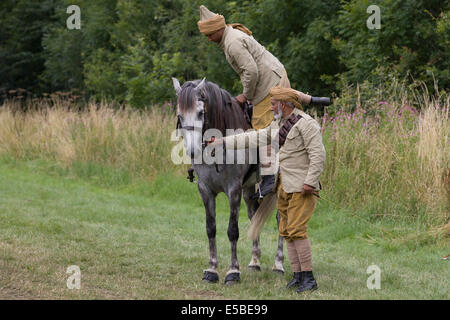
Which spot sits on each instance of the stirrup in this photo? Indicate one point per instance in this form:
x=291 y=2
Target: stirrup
x=267 y=183
x=259 y=194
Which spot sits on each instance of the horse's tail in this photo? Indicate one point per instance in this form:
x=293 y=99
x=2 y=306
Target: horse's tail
x=261 y=215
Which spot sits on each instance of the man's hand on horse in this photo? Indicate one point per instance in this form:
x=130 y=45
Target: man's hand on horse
x=241 y=99
x=307 y=190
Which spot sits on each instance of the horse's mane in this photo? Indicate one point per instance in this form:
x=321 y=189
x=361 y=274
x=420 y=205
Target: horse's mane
x=222 y=110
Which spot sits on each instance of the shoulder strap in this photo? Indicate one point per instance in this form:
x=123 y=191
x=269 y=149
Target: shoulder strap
x=287 y=126
x=241 y=27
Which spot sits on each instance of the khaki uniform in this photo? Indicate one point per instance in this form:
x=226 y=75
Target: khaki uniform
x=259 y=71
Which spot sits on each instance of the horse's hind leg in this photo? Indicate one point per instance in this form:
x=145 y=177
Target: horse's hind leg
x=252 y=206
x=234 y=197
x=209 y=200
x=279 y=256
x=256 y=255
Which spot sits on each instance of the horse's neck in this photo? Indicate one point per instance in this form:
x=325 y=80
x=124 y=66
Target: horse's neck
x=232 y=117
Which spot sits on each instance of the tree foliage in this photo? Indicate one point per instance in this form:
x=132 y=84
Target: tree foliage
x=128 y=50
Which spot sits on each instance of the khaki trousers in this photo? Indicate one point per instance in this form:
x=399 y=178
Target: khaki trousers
x=295 y=211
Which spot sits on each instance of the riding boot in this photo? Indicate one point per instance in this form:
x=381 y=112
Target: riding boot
x=296 y=280
x=324 y=101
x=265 y=187
x=307 y=282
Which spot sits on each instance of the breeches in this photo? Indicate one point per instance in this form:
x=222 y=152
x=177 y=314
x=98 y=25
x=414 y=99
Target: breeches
x=295 y=211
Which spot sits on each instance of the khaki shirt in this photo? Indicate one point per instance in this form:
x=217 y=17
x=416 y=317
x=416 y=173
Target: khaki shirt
x=258 y=69
x=301 y=158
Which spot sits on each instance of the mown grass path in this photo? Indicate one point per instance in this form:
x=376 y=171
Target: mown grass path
x=145 y=241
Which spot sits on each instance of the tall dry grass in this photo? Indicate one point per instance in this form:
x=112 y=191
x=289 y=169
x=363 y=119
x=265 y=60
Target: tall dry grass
x=390 y=155
x=388 y=150
x=133 y=141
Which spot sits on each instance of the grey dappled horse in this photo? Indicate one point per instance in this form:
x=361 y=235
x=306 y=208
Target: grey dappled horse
x=202 y=106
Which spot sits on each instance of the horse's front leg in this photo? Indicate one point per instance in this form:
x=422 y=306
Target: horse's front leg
x=209 y=200
x=234 y=197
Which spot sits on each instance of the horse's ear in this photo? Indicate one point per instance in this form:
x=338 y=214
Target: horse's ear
x=176 y=85
x=201 y=84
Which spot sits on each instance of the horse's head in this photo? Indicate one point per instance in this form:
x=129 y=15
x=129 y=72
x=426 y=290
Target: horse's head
x=191 y=114
x=203 y=106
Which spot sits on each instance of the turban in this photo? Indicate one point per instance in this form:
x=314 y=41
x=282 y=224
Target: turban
x=211 y=22
x=286 y=94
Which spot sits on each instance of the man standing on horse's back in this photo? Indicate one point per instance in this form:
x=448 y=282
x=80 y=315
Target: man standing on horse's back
x=259 y=71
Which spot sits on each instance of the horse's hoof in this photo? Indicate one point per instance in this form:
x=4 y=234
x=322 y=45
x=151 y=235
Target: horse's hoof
x=210 y=277
x=254 y=268
x=232 y=278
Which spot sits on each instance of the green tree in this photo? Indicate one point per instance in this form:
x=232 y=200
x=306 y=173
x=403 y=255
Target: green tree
x=22 y=26
x=68 y=52
x=407 y=43
x=128 y=50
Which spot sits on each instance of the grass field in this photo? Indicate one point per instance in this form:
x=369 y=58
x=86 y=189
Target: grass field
x=96 y=188
x=147 y=240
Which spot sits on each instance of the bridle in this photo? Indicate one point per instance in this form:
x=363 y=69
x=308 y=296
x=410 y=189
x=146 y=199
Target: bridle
x=204 y=127
x=192 y=128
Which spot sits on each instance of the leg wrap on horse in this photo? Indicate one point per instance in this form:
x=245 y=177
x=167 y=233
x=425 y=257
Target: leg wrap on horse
x=232 y=276
x=210 y=275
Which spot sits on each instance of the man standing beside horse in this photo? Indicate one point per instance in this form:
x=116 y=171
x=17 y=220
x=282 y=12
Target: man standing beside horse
x=259 y=71
x=302 y=158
